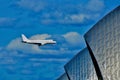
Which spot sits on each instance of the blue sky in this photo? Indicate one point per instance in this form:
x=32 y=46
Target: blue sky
x=65 y=21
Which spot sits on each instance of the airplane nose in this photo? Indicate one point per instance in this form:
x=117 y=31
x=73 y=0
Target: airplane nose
x=54 y=41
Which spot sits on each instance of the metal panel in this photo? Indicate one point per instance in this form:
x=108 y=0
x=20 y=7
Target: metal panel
x=81 y=67
x=63 y=77
x=104 y=40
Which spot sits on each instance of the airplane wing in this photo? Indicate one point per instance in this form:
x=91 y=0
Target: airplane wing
x=39 y=44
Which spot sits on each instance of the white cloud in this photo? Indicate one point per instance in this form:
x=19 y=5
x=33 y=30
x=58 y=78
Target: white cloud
x=7 y=57
x=16 y=44
x=74 y=18
x=26 y=71
x=74 y=38
x=95 y=5
x=67 y=19
x=5 y=21
x=79 y=17
x=50 y=59
x=35 y=5
x=40 y=36
x=53 y=14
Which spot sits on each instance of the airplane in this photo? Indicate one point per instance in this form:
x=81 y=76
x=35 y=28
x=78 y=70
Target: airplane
x=37 y=42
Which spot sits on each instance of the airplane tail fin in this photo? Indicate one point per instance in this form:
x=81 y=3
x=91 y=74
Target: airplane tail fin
x=24 y=38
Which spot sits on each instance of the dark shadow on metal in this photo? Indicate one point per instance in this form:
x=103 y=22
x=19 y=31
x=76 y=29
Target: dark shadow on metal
x=67 y=75
x=97 y=69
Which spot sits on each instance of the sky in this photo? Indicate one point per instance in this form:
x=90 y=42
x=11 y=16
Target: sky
x=65 y=21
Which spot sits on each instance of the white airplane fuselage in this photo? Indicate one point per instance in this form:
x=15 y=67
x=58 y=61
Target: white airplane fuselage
x=37 y=42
